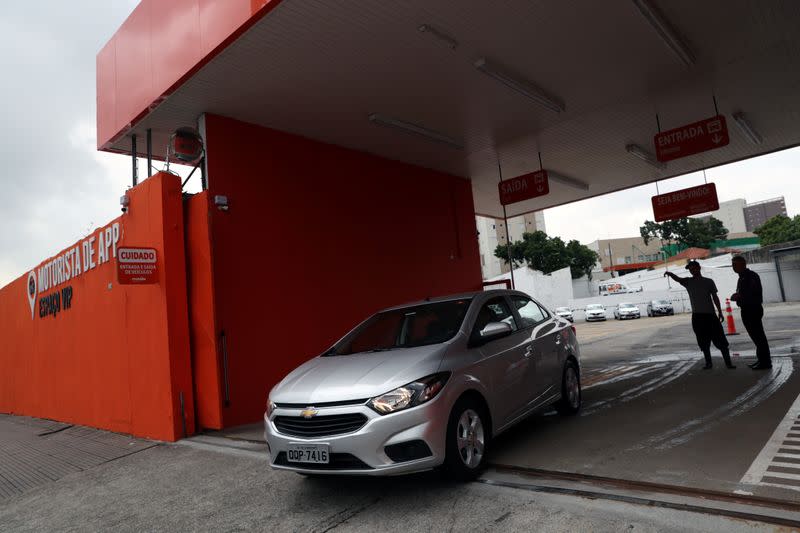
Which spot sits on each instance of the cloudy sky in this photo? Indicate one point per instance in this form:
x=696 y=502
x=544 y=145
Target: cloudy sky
x=57 y=187
x=756 y=179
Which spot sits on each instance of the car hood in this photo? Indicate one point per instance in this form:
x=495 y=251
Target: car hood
x=357 y=376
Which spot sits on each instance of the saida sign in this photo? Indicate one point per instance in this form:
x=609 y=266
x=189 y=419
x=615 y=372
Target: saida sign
x=56 y=273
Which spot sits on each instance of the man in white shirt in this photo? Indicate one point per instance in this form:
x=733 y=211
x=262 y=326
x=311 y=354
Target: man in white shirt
x=707 y=328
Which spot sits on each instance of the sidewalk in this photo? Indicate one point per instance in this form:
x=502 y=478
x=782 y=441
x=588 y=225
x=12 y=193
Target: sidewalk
x=35 y=452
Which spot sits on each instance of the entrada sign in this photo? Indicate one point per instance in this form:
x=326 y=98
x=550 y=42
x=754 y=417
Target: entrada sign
x=685 y=202
x=692 y=139
x=524 y=187
x=137 y=266
x=85 y=256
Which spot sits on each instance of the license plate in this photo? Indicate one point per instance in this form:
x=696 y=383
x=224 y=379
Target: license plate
x=308 y=453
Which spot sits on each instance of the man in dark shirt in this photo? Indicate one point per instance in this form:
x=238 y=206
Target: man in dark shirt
x=707 y=327
x=749 y=298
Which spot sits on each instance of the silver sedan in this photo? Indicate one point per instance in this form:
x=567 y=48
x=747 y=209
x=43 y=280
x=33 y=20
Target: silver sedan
x=424 y=385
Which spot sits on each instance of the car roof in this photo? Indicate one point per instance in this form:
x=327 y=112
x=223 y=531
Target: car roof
x=481 y=295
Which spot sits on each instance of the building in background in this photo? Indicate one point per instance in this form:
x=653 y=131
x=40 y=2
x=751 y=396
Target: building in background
x=731 y=214
x=627 y=253
x=757 y=213
x=741 y=218
x=492 y=231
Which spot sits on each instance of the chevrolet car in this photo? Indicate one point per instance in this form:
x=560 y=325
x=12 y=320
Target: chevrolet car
x=660 y=307
x=564 y=312
x=424 y=385
x=595 y=312
x=626 y=310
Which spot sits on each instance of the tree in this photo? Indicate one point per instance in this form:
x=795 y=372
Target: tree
x=583 y=259
x=548 y=254
x=691 y=232
x=778 y=229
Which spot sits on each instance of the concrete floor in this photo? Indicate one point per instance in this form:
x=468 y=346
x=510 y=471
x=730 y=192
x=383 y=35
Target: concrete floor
x=650 y=415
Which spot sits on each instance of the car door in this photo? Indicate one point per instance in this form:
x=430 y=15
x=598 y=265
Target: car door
x=545 y=339
x=504 y=361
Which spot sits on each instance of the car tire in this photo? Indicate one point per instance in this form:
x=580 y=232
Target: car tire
x=570 y=402
x=466 y=427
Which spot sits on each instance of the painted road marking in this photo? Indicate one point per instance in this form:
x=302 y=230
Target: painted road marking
x=775 y=453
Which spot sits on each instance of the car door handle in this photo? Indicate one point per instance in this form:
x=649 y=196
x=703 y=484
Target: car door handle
x=529 y=350
x=558 y=339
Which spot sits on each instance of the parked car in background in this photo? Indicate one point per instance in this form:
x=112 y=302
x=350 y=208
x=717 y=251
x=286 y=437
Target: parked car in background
x=627 y=310
x=660 y=307
x=565 y=312
x=424 y=385
x=595 y=312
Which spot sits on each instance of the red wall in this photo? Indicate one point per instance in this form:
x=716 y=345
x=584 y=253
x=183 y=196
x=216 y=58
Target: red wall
x=160 y=45
x=318 y=237
x=118 y=359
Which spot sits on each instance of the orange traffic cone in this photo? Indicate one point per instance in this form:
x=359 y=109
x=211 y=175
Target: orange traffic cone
x=731 y=324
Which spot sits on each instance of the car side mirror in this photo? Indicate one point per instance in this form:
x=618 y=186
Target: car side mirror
x=492 y=331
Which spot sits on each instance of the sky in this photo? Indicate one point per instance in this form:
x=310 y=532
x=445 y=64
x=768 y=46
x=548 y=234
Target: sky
x=756 y=179
x=56 y=187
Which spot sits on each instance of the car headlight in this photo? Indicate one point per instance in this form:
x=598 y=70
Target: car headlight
x=410 y=395
x=270 y=407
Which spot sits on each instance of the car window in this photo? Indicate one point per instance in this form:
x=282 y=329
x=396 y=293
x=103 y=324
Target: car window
x=406 y=327
x=495 y=310
x=529 y=311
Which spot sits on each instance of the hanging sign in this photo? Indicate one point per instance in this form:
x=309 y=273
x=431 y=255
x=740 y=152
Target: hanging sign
x=692 y=139
x=137 y=266
x=524 y=187
x=685 y=202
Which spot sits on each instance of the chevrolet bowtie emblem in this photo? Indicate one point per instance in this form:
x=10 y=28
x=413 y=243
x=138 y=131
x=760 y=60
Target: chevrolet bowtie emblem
x=309 y=412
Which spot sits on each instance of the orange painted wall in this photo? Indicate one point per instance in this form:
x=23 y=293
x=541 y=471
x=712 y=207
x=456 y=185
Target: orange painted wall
x=157 y=48
x=118 y=359
x=318 y=237
x=202 y=320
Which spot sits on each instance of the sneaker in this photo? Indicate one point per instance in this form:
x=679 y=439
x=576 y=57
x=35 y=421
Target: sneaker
x=708 y=365
x=761 y=367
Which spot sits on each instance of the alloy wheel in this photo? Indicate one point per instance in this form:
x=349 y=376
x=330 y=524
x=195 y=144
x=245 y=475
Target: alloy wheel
x=573 y=388
x=470 y=438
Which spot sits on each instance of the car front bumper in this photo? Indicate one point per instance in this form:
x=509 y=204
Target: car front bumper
x=367 y=445
x=661 y=311
x=595 y=317
x=630 y=315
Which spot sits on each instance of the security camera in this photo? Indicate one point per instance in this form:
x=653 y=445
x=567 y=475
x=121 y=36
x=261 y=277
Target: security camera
x=125 y=201
x=221 y=202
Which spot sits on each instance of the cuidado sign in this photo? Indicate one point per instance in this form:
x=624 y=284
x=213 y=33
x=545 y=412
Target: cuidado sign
x=685 y=202
x=524 y=187
x=692 y=139
x=137 y=266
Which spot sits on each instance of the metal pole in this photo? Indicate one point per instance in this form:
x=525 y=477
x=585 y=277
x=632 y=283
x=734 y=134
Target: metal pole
x=780 y=276
x=133 y=159
x=203 y=179
x=149 y=152
x=508 y=234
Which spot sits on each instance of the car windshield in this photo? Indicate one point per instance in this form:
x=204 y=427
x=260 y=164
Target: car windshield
x=408 y=327
x=562 y=310
x=593 y=307
x=623 y=306
x=662 y=302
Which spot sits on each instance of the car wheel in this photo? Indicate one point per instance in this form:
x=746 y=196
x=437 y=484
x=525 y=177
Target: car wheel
x=570 y=402
x=467 y=439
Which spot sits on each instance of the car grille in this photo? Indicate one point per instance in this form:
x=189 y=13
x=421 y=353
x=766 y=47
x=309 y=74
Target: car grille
x=319 y=426
x=338 y=461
